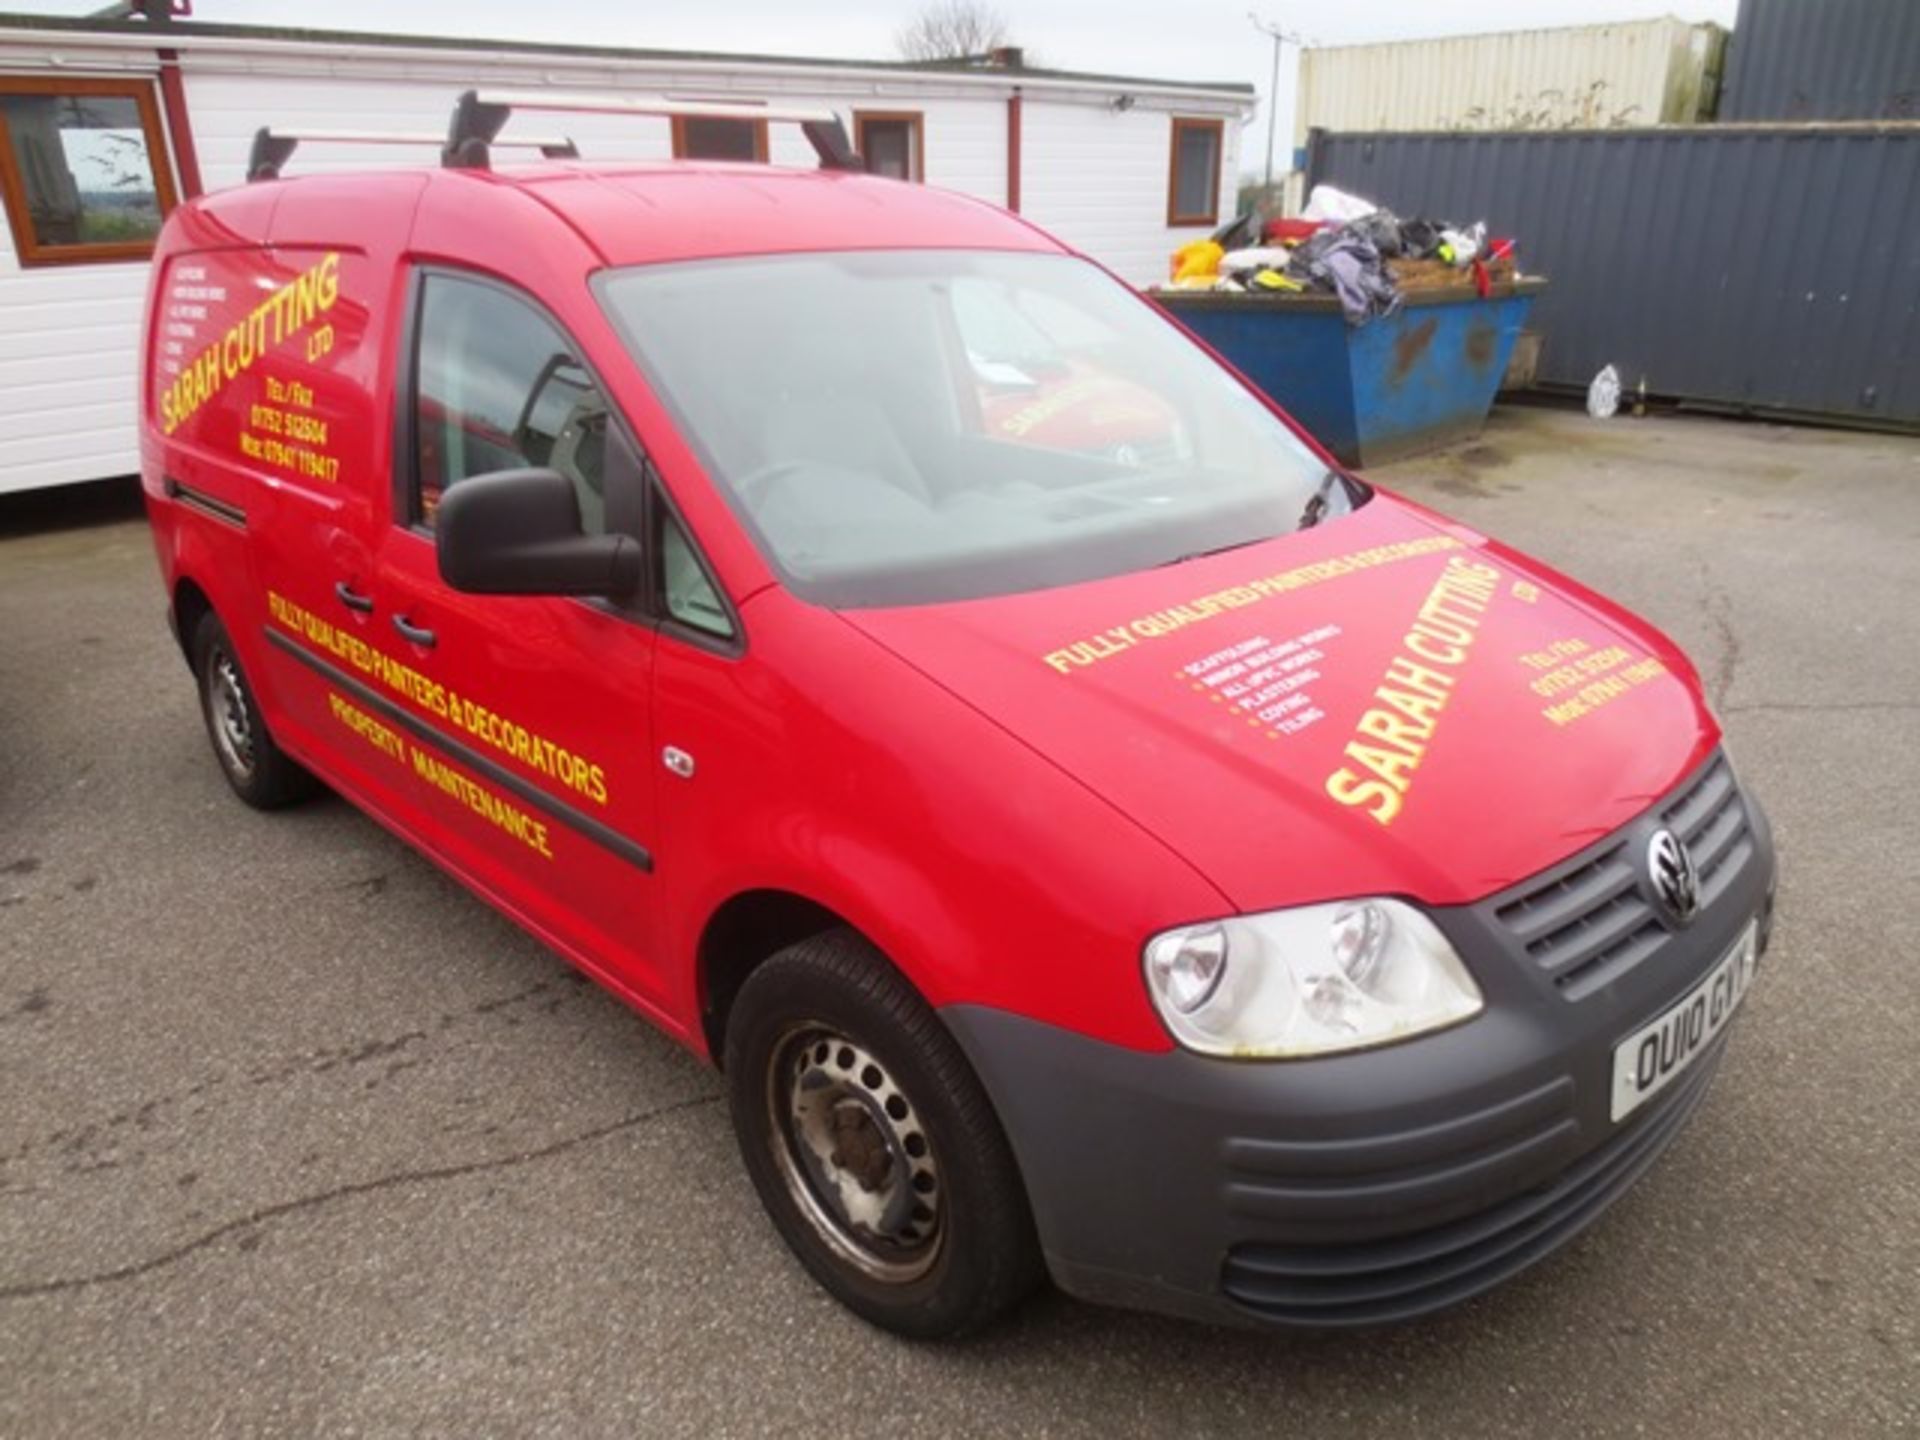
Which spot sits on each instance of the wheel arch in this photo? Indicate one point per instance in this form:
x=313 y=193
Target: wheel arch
x=206 y=579
x=190 y=605
x=744 y=931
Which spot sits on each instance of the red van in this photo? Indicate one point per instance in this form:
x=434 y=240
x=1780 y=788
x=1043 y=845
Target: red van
x=1164 y=862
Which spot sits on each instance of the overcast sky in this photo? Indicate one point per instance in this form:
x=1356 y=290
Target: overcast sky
x=1170 y=39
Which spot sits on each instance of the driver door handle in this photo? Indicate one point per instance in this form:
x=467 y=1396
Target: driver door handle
x=417 y=634
x=352 y=598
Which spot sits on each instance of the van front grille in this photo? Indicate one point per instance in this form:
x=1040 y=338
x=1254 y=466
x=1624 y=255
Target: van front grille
x=1589 y=926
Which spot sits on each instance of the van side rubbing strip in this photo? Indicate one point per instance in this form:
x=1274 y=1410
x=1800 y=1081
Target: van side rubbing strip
x=601 y=835
x=206 y=504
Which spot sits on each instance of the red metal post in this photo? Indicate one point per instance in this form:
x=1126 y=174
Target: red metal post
x=173 y=99
x=1013 y=152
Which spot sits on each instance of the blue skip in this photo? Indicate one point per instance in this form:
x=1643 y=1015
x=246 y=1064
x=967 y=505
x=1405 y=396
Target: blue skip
x=1420 y=378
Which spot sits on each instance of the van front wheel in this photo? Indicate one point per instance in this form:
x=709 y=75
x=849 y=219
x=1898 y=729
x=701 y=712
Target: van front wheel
x=259 y=772
x=872 y=1144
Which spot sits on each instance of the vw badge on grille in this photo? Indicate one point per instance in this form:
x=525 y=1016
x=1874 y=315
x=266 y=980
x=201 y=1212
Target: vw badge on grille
x=1675 y=881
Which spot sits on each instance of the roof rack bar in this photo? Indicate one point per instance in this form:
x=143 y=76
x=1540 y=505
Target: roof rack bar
x=479 y=115
x=273 y=148
x=569 y=101
x=419 y=137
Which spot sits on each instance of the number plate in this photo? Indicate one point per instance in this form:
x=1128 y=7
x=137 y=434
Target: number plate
x=1650 y=1058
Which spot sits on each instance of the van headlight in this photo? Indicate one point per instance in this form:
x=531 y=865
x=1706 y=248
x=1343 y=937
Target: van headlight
x=1311 y=981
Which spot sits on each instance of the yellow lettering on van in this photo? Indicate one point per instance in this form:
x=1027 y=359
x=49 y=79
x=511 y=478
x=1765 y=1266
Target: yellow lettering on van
x=1391 y=766
x=1390 y=729
x=1120 y=639
x=292 y=307
x=1412 y=696
x=1418 y=643
x=1379 y=800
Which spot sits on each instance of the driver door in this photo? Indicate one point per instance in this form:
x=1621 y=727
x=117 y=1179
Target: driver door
x=528 y=752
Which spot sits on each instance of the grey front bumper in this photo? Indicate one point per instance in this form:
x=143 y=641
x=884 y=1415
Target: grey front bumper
x=1373 y=1187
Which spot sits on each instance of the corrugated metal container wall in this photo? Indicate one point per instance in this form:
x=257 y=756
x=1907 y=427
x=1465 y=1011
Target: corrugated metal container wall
x=1767 y=268
x=1824 y=60
x=1641 y=73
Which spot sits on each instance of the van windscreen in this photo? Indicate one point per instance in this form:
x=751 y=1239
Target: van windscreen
x=901 y=427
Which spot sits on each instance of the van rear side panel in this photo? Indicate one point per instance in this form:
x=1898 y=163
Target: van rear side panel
x=267 y=438
x=258 y=447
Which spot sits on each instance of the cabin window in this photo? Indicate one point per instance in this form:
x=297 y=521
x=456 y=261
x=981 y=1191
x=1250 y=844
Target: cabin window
x=1193 y=184
x=498 y=388
x=686 y=592
x=892 y=143
x=83 y=169
x=711 y=137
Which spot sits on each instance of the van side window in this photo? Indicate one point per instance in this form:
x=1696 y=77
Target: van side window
x=687 y=593
x=499 y=388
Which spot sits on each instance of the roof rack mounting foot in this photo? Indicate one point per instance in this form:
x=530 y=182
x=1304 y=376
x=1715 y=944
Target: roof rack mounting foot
x=269 y=153
x=830 y=143
x=473 y=129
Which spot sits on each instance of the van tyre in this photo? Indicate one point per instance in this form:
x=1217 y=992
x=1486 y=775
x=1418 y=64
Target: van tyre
x=872 y=1144
x=257 y=769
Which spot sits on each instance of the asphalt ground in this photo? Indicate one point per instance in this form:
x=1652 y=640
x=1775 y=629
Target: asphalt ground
x=296 y=1137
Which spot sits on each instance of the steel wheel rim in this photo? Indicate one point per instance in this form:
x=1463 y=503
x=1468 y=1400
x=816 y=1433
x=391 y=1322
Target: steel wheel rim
x=228 y=714
x=850 y=1147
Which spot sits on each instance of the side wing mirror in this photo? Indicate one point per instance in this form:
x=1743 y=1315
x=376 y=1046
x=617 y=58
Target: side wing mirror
x=517 y=532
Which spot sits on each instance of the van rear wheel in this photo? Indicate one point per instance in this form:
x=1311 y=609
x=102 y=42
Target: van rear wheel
x=872 y=1144
x=257 y=769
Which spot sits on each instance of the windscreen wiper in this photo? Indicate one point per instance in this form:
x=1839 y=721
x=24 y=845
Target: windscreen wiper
x=1216 y=550
x=1316 y=508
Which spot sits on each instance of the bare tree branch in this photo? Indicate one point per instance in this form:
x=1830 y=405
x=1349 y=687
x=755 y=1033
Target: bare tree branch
x=952 y=30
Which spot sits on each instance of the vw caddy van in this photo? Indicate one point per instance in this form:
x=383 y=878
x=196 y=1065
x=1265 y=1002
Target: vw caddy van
x=1117 y=846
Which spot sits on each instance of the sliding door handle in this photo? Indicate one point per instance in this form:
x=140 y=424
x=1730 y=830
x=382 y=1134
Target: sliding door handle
x=417 y=634
x=352 y=598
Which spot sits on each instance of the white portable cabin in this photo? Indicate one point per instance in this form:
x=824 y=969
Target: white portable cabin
x=106 y=123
